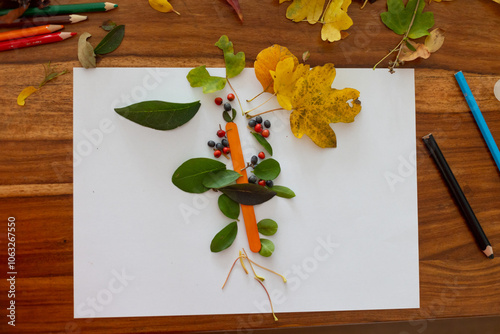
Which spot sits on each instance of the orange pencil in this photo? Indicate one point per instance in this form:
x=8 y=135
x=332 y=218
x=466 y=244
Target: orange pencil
x=33 y=31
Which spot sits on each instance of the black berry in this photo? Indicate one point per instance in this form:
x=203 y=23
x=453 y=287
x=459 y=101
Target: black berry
x=267 y=123
x=269 y=183
x=258 y=119
x=227 y=106
x=252 y=179
x=219 y=146
x=254 y=160
x=225 y=142
x=211 y=143
x=251 y=123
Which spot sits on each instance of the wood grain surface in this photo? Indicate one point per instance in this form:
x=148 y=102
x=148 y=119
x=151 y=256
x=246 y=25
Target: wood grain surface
x=456 y=279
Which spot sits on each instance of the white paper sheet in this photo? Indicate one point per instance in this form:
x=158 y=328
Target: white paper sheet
x=347 y=241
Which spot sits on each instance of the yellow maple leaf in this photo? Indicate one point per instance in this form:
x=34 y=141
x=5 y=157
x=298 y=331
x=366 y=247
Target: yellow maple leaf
x=335 y=20
x=286 y=75
x=299 y=10
x=162 y=6
x=267 y=60
x=316 y=105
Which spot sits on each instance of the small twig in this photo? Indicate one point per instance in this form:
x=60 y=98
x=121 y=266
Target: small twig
x=269 y=297
x=264 y=112
x=260 y=105
x=237 y=97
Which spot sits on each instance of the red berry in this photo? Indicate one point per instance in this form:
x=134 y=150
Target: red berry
x=258 y=127
x=217 y=153
x=262 y=183
x=261 y=155
x=265 y=133
x=230 y=96
x=221 y=133
x=218 y=101
x=226 y=150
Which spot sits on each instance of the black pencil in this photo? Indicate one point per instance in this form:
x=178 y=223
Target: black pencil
x=44 y=20
x=458 y=195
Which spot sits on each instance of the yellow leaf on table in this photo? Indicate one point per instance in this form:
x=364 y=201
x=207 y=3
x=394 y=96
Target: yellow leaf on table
x=316 y=105
x=285 y=77
x=267 y=60
x=21 y=98
x=302 y=9
x=335 y=20
x=162 y=6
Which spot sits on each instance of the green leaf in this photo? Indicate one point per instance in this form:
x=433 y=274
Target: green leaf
x=220 y=178
x=267 y=247
x=111 y=41
x=267 y=227
x=248 y=193
x=265 y=144
x=227 y=117
x=229 y=208
x=199 y=77
x=398 y=18
x=190 y=175
x=410 y=46
x=224 y=238
x=268 y=169
x=160 y=115
x=235 y=63
x=283 y=191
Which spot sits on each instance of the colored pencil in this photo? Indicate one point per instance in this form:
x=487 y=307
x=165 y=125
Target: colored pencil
x=478 y=116
x=33 y=31
x=35 y=40
x=66 y=9
x=43 y=20
x=458 y=195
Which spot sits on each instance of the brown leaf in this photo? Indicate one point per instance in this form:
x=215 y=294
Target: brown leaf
x=236 y=6
x=435 y=40
x=421 y=51
x=86 y=54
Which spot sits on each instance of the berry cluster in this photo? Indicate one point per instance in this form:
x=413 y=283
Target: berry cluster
x=221 y=147
x=260 y=126
x=253 y=162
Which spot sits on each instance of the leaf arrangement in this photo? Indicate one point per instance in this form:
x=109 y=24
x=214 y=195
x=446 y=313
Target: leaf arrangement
x=412 y=23
x=87 y=53
x=333 y=16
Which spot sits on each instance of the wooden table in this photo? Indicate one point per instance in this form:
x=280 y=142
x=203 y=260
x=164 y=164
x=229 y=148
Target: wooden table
x=36 y=153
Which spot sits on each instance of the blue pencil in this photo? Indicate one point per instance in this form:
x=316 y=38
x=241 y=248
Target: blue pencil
x=481 y=123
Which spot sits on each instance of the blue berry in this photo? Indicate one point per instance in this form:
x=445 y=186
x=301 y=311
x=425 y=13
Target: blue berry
x=254 y=160
x=219 y=146
x=258 y=119
x=269 y=183
x=227 y=106
x=267 y=123
x=252 y=179
x=211 y=143
x=251 y=123
x=225 y=142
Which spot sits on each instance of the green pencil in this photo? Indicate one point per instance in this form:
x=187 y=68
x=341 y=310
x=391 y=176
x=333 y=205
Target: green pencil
x=67 y=9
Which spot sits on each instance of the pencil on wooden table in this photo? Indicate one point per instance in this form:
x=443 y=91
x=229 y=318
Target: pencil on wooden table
x=67 y=9
x=43 y=20
x=27 y=32
x=458 y=195
x=35 y=40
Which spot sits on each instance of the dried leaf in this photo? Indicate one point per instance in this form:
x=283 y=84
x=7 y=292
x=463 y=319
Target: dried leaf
x=266 y=61
x=305 y=56
x=108 y=25
x=162 y=6
x=420 y=51
x=435 y=40
x=236 y=6
x=335 y=20
x=305 y=9
x=24 y=95
x=86 y=54
x=316 y=105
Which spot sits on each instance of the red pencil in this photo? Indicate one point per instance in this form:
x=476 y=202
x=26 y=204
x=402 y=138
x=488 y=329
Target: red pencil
x=35 y=40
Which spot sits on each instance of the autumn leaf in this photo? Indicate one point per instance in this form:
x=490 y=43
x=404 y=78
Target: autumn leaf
x=432 y=43
x=235 y=63
x=267 y=60
x=86 y=54
x=162 y=6
x=24 y=95
x=311 y=10
x=199 y=77
x=398 y=18
x=316 y=105
x=335 y=20
x=236 y=6
x=285 y=77
x=50 y=74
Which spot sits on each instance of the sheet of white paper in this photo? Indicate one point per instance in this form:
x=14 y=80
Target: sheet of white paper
x=347 y=241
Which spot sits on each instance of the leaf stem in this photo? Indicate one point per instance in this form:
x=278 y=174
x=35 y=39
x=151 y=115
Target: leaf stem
x=264 y=112
x=269 y=297
x=237 y=97
x=260 y=105
x=260 y=278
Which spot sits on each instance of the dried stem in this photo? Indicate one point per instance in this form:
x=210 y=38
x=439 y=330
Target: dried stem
x=260 y=278
x=237 y=97
x=260 y=105
x=264 y=112
x=269 y=297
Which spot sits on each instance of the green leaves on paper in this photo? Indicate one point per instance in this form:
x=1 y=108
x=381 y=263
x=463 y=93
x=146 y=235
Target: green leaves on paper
x=267 y=227
x=398 y=18
x=263 y=141
x=160 y=115
x=228 y=207
x=248 y=193
x=282 y=191
x=224 y=238
x=268 y=169
x=190 y=175
x=267 y=247
x=220 y=178
x=235 y=63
